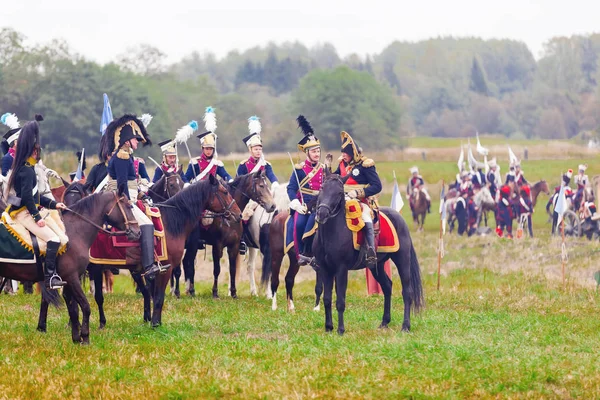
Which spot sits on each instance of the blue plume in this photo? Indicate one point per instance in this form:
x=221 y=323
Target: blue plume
x=3 y=118
x=209 y=109
x=253 y=118
x=194 y=125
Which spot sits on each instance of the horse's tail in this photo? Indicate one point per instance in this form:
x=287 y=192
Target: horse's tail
x=265 y=249
x=416 y=286
x=50 y=296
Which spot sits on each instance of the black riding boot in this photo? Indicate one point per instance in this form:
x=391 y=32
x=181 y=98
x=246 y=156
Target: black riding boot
x=147 y=246
x=51 y=278
x=370 y=240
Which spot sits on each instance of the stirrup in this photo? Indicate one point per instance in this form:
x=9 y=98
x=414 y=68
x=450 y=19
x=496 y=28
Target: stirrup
x=55 y=282
x=371 y=258
x=243 y=248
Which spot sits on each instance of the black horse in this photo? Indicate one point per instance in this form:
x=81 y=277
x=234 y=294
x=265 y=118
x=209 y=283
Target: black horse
x=330 y=247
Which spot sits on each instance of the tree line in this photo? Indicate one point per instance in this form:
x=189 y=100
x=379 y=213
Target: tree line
x=444 y=87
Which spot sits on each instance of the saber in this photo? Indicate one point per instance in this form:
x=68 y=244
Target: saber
x=190 y=156
x=154 y=161
x=297 y=180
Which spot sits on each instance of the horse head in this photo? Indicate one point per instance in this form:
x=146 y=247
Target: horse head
x=331 y=198
x=220 y=202
x=542 y=186
x=75 y=192
x=255 y=187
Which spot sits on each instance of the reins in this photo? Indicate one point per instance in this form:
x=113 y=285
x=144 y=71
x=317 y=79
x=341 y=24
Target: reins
x=102 y=229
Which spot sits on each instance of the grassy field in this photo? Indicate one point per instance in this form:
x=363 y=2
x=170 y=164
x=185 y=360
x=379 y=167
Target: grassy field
x=502 y=326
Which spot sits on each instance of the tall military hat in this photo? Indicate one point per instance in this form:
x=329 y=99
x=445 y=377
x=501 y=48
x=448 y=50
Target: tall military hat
x=168 y=148
x=309 y=140
x=128 y=127
x=349 y=146
x=12 y=135
x=208 y=139
x=255 y=128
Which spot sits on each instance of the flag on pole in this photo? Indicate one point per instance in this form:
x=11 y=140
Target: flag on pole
x=443 y=208
x=79 y=173
x=107 y=116
x=397 y=202
x=561 y=204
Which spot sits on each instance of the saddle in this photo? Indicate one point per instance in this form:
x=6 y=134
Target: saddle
x=28 y=240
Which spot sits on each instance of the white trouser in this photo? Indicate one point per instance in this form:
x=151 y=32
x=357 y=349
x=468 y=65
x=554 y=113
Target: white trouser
x=44 y=233
x=424 y=191
x=140 y=216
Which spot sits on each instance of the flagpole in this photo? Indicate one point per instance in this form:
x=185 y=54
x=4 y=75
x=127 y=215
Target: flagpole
x=440 y=245
x=563 y=253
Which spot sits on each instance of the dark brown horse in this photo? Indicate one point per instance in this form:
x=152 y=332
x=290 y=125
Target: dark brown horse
x=331 y=249
x=82 y=226
x=223 y=233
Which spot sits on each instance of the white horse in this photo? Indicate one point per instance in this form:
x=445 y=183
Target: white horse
x=259 y=219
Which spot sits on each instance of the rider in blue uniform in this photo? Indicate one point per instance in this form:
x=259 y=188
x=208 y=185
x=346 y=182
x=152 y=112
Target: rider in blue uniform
x=125 y=134
x=169 y=163
x=305 y=183
x=363 y=184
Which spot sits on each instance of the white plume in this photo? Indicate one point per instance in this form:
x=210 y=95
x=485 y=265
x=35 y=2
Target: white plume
x=512 y=157
x=11 y=121
x=146 y=118
x=461 y=159
x=185 y=132
x=254 y=125
x=210 y=120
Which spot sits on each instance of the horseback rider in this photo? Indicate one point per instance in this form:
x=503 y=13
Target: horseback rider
x=256 y=162
x=363 y=184
x=304 y=186
x=565 y=181
x=581 y=180
x=124 y=135
x=478 y=178
x=525 y=208
x=10 y=141
x=504 y=213
x=207 y=164
x=417 y=182
x=493 y=177
x=517 y=173
x=170 y=162
x=24 y=207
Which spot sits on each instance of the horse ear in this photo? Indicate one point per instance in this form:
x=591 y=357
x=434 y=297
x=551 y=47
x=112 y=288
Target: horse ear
x=213 y=181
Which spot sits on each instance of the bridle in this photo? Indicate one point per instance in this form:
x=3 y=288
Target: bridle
x=227 y=214
x=337 y=206
x=117 y=203
x=165 y=191
x=254 y=194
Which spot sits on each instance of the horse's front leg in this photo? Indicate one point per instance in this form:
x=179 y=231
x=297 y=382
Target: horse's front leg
x=217 y=251
x=327 y=298
x=318 y=291
x=233 y=252
x=175 y=278
x=75 y=284
x=341 y=285
x=290 y=277
x=252 y=252
x=96 y=273
x=43 y=316
x=160 y=285
x=139 y=280
x=73 y=314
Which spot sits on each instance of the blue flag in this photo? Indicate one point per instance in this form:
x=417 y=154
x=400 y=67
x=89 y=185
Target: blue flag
x=107 y=116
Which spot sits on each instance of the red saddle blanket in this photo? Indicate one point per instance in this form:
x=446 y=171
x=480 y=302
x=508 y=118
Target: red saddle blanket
x=387 y=240
x=118 y=250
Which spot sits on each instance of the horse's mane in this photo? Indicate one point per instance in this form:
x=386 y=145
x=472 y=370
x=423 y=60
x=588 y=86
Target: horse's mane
x=232 y=187
x=185 y=206
x=87 y=204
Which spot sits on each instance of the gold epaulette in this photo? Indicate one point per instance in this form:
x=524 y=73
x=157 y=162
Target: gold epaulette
x=340 y=158
x=123 y=154
x=220 y=163
x=368 y=162
x=267 y=163
x=243 y=162
x=299 y=166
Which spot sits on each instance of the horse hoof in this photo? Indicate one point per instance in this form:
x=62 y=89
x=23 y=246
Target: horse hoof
x=234 y=296
x=383 y=326
x=341 y=332
x=41 y=329
x=406 y=329
x=85 y=342
x=101 y=327
x=317 y=308
x=328 y=329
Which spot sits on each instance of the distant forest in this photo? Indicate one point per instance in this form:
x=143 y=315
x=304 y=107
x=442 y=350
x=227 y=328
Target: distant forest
x=443 y=87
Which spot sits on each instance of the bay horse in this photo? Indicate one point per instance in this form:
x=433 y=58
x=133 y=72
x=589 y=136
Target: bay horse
x=331 y=249
x=419 y=208
x=537 y=188
x=223 y=233
x=82 y=224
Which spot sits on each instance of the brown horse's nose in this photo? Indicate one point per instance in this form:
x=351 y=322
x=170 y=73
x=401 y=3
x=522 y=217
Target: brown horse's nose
x=272 y=208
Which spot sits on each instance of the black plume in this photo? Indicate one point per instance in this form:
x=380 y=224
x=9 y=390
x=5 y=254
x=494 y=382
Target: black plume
x=38 y=117
x=83 y=166
x=304 y=125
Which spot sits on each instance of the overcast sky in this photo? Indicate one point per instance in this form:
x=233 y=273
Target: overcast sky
x=102 y=29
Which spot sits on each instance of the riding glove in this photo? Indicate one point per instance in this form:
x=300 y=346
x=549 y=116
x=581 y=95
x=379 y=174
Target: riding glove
x=297 y=206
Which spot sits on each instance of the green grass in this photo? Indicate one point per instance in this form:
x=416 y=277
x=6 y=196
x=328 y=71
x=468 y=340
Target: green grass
x=488 y=333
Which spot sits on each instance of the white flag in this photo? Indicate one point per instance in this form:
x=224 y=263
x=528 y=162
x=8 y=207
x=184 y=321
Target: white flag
x=397 y=202
x=561 y=204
